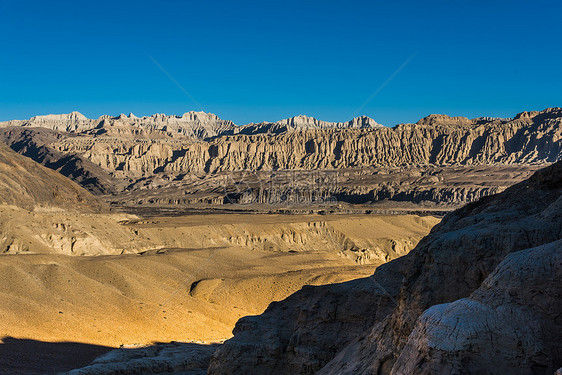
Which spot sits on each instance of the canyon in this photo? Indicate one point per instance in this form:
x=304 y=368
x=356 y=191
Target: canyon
x=280 y=188
x=190 y=244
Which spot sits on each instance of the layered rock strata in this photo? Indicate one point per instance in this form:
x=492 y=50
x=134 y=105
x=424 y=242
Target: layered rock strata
x=116 y=154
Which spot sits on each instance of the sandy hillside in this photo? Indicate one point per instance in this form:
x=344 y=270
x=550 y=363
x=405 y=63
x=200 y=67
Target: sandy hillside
x=202 y=274
x=372 y=239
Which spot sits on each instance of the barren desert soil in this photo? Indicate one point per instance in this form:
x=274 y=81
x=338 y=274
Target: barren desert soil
x=192 y=293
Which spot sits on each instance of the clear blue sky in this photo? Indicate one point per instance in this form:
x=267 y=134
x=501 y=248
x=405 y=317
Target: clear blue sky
x=250 y=61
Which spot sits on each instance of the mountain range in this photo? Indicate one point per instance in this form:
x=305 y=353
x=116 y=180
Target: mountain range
x=197 y=158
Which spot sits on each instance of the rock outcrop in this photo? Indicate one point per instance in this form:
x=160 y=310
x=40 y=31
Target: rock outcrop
x=395 y=322
x=199 y=125
x=306 y=123
x=312 y=144
x=532 y=140
x=175 y=357
x=511 y=321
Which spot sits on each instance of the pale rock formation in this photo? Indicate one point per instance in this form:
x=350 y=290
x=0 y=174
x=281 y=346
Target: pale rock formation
x=511 y=324
x=113 y=154
x=518 y=141
x=72 y=122
x=444 y=120
x=302 y=122
x=191 y=124
x=326 y=149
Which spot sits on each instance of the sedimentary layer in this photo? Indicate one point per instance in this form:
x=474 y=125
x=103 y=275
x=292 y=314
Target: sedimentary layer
x=128 y=154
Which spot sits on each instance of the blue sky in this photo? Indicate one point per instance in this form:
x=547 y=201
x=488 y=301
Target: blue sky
x=252 y=61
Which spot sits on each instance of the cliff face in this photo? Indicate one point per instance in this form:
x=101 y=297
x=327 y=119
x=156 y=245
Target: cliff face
x=113 y=154
x=525 y=140
x=302 y=142
x=305 y=123
x=395 y=322
x=190 y=125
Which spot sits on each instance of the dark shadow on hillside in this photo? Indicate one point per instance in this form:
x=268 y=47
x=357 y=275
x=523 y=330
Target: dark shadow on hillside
x=25 y=356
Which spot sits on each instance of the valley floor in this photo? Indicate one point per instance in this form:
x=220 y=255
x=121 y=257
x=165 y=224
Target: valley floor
x=190 y=293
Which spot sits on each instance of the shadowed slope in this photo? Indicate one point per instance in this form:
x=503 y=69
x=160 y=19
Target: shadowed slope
x=32 y=357
x=26 y=184
x=362 y=326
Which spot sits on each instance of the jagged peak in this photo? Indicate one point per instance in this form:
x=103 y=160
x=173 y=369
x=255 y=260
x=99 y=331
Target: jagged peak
x=490 y=118
x=75 y=121
x=299 y=120
x=364 y=121
x=303 y=120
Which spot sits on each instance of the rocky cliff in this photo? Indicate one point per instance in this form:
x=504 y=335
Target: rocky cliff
x=114 y=154
x=302 y=122
x=198 y=125
x=437 y=139
x=480 y=294
x=523 y=140
x=512 y=320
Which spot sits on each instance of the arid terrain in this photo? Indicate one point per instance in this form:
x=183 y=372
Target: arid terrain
x=74 y=271
x=480 y=294
x=197 y=159
x=111 y=282
x=280 y=188
x=160 y=235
